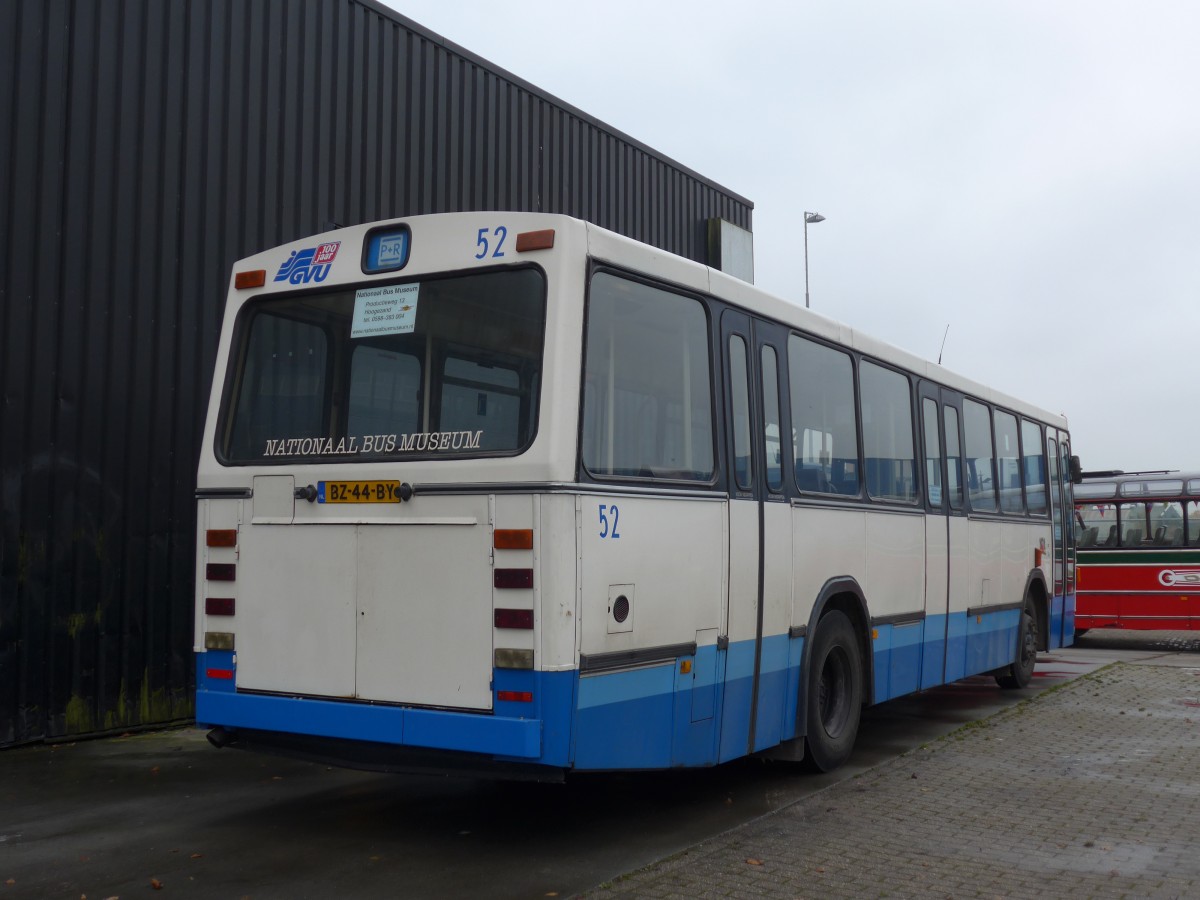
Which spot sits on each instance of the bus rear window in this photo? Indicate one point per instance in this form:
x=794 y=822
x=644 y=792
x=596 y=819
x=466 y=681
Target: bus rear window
x=444 y=367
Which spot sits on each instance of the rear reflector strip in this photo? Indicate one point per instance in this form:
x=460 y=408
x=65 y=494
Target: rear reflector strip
x=223 y=674
x=504 y=658
x=218 y=606
x=513 y=578
x=513 y=618
x=513 y=539
x=220 y=571
x=221 y=537
x=515 y=696
x=218 y=640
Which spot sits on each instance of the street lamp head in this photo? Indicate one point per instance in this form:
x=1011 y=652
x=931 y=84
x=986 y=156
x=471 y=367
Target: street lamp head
x=813 y=218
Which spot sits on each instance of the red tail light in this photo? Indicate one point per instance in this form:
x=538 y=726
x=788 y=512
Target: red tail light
x=513 y=578
x=513 y=618
x=220 y=571
x=218 y=606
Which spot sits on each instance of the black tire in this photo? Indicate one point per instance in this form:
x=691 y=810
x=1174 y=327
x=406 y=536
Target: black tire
x=835 y=692
x=1020 y=673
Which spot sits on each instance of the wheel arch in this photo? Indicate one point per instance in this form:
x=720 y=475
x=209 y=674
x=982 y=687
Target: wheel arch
x=1036 y=591
x=842 y=593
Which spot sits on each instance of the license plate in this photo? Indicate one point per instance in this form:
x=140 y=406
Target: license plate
x=358 y=492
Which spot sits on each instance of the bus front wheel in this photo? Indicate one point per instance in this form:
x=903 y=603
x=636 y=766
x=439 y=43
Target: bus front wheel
x=834 y=693
x=1020 y=673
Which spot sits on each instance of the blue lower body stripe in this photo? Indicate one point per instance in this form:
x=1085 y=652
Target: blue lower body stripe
x=650 y=717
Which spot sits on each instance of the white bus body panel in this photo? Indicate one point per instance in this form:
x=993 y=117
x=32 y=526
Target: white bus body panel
x=366 y=606
x=894 y=580
x=425 y=614
x=670 y=552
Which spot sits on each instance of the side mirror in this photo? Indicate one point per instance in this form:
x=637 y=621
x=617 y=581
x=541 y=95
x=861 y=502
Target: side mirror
x=1076 y=470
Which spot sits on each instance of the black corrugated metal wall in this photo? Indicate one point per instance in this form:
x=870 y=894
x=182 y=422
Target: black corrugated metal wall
x=145 y=145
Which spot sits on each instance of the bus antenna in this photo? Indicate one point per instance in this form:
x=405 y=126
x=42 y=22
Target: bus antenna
x=943 y=347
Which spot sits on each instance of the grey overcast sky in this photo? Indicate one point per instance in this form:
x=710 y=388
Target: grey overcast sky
x=1024 y=171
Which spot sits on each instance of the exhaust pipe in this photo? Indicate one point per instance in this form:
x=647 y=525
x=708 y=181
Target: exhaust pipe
x=219 y=737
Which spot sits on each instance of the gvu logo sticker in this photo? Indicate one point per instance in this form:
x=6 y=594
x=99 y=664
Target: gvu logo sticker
x=309 y=264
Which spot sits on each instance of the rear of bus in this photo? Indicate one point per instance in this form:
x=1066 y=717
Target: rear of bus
x=388 y=410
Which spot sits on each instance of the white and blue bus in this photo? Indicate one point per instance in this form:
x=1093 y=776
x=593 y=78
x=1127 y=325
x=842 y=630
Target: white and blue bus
x=511 y=493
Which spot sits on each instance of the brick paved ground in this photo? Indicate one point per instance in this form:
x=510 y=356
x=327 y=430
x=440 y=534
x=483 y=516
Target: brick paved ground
x=1090 y=790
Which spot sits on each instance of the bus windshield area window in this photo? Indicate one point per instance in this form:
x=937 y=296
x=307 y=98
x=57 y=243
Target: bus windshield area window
x=445 y=367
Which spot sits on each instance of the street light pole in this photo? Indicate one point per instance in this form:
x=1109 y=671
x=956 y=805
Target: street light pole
x=814 y=218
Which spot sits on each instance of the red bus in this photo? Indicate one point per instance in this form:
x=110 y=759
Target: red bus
x=1138 y=559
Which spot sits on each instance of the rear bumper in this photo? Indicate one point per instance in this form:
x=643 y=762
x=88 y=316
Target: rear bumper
x=428 y=728
x=500 y=734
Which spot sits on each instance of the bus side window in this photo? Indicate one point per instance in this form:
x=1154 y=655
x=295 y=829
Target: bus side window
x=1166 y=523
x=954 y=467
x=772 y=442
x=933 y=452
x=739 y=388
x=648 y=410
x=1034 y=464
x=889 y=460
x=1008 y=464
x=1133 y=524
x=981 y=464
x=821 y=380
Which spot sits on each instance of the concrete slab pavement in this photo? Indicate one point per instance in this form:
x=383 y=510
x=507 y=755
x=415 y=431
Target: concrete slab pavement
x=1088 y=790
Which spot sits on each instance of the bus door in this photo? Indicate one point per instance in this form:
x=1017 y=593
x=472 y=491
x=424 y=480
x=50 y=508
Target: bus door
x=1062 y=607
x=957 y=543
x=945 y=524
x=759 y=537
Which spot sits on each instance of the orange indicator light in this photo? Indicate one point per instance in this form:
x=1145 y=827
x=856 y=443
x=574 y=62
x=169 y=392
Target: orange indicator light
x=221 y=537
x=535 y=240
x=252 y=279
x=513 y=539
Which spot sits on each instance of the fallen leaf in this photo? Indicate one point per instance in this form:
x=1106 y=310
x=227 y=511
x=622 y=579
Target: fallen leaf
x=754 y=862
x=197 y=856
x=156 y=884
x=154 y=771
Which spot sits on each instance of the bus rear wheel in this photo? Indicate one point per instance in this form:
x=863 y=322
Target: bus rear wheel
x=834 y=693
x=1020 y=673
